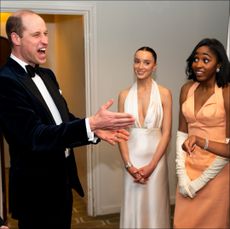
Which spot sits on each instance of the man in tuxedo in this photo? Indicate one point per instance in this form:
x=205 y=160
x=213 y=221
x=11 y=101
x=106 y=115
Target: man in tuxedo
x=41 y=131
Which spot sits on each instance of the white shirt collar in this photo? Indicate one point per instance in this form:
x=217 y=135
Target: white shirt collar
x=19 y=61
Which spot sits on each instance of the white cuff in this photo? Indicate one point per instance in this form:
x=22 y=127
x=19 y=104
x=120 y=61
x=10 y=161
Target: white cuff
x=90 y=134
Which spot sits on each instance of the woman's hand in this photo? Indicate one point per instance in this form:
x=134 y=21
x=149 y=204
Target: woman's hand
x=134 y=172
x=141 y=175
x=146 y=171
x=189 y=144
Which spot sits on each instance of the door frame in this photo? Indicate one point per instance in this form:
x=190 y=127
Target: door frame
x=88 y=11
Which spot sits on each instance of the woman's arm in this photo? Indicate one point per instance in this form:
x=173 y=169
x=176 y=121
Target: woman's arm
x=166 y=99
x=183 y=125
x=123 y=147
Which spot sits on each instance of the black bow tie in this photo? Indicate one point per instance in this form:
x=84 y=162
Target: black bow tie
x=32 y=70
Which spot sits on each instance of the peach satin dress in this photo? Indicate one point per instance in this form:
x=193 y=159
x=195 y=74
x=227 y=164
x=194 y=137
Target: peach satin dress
x=210 y=207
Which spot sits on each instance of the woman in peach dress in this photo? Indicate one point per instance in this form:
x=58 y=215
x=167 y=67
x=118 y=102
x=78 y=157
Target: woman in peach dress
x=202 y=198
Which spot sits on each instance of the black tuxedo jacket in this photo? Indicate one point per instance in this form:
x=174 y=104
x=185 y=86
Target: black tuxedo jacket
x=39 y=170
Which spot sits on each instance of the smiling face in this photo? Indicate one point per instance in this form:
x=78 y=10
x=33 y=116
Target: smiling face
x=31 y=47
x=144 y=64
x=205 y=64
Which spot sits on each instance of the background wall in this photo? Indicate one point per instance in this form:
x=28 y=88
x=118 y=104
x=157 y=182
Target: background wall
x=228 y=41
x=172 y=28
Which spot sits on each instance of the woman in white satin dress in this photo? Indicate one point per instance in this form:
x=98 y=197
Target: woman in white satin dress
x=145 y=201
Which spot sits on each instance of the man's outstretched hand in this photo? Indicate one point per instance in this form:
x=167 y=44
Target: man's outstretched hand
x=108 y=120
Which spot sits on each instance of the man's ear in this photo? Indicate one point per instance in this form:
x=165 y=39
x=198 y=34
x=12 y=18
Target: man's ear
x=16 y=39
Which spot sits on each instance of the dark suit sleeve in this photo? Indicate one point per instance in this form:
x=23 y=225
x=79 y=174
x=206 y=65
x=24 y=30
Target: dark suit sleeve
x=27 y=125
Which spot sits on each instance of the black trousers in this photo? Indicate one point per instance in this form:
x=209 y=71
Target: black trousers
x=39 y=221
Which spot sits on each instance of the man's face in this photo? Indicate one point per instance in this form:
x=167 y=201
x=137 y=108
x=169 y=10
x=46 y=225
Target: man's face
x=34 y=41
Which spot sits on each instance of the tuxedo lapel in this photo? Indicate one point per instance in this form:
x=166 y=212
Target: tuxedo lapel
x=53 y=89
x=56 y=96
x=31 y=86
x=28 y=83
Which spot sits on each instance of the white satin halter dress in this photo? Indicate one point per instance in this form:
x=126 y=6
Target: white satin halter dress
x=145 y=206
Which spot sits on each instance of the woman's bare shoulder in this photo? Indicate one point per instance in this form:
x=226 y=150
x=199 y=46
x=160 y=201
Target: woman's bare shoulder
x=184 y=90
x=187 y=85
x=121 y=99
x=226 y=94
x=124 y=92
x=164 y=91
